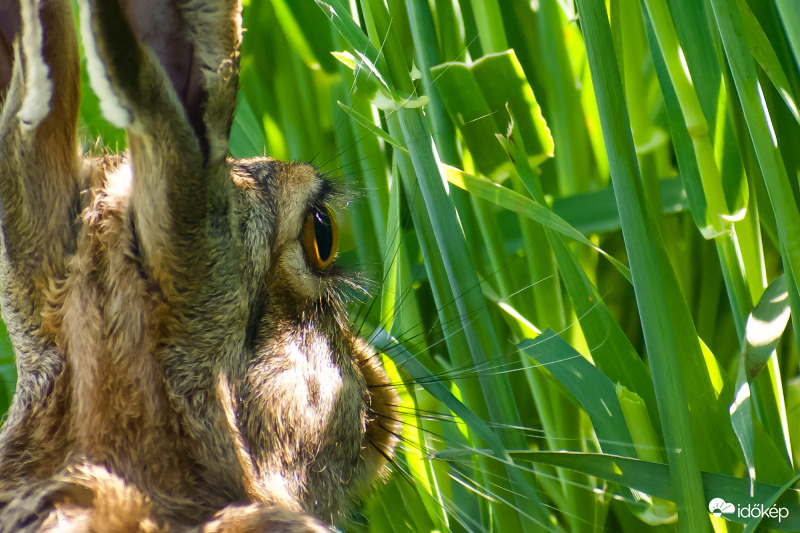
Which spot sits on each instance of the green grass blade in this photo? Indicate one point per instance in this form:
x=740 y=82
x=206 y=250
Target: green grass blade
x=790 y=16
x=565 y=113
x=765 y=326
x=596 y=212
x=763 y=52
x=653 y=478
x=423 y=376
x=668 y=330
x=760 y=128
x=482 y=342
x=247 y=139
x=341 y=19
x=753 y=524
x=513 y=201
x=590 y=386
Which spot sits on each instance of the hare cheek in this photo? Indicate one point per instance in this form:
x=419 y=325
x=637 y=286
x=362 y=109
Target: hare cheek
x=320 y=400
x=313 y=381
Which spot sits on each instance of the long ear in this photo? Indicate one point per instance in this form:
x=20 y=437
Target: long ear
x=39 y=160
x=39 y=200
x=168 y=72
x=194 y=43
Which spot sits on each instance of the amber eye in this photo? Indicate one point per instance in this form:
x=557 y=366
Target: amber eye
x=320 y=237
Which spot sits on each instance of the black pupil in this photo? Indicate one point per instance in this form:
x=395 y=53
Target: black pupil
x=323 y=234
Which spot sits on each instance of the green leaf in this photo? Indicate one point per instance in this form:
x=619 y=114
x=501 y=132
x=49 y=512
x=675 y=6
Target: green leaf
x=593 y=390
x=513 y=201
x=476 y=96
x=444 y=249
x=654 y=479
x=765 y=326
x=769 y=503
x=423 y=376
x=680 y=378
x=596 y=211
x=342 y=20
x=761 y=131
x=790 y=16
x=367 y=123
x=307 y=31
x=763 y=52
x=247 y=138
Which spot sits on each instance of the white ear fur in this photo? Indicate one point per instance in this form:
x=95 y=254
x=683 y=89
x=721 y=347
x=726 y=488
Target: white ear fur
x=38 y=85
x=111 y=102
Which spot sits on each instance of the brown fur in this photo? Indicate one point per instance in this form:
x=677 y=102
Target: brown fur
x=181 y=366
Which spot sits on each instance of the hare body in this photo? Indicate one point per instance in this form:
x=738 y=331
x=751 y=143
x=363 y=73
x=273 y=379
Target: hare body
x=182 y=361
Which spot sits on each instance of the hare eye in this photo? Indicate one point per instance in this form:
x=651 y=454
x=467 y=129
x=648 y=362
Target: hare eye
x=320 y=237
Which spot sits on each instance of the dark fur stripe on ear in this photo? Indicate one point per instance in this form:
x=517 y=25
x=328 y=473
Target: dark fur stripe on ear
x=216 y=30
x=9 y=27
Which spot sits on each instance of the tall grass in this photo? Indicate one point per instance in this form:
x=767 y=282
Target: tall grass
x=579 y=227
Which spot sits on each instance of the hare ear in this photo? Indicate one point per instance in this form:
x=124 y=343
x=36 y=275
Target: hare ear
x=148 y=57
x=39 y=203
x=215 y=30
x=39 y=163
x=167 y=70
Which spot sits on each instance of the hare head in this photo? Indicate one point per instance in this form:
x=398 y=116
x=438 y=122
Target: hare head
x=183 y=350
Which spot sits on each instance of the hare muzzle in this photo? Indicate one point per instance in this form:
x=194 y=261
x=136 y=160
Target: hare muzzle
x=182 y=345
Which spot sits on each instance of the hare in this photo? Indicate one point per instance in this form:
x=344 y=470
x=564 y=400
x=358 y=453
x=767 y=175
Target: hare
x=183 y=351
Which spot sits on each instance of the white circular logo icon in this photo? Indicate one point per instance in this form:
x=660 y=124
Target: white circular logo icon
x=718 y=507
